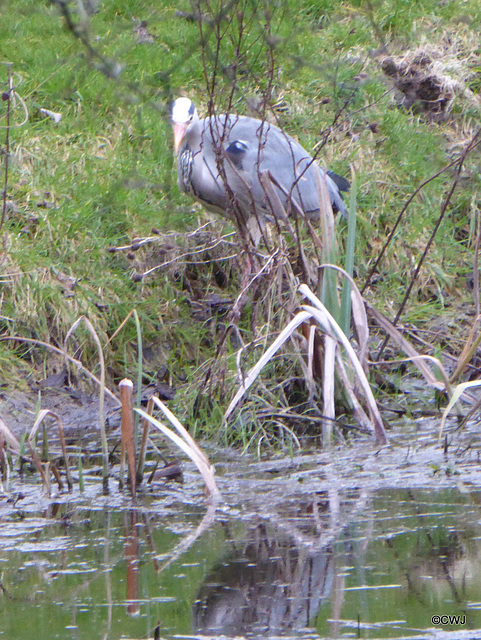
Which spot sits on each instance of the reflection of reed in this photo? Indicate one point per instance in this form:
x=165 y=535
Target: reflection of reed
x=189 y=540
x=149 y=540
x=440 y=554
x=284 y=570
x=271 y=584
x=108 y=585
x=132 y=560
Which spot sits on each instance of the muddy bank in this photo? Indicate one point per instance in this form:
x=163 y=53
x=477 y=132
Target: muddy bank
x=414 y=456
x=78 y=410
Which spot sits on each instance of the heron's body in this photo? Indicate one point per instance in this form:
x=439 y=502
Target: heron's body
x=225 y=156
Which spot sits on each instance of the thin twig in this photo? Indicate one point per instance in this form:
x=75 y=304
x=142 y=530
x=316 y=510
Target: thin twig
x=61 y=352
x=374 y=268
x=7 y=142
x=476 y=263
x=460 y=162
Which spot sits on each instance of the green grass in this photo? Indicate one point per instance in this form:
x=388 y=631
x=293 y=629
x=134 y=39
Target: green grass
x=105 y=174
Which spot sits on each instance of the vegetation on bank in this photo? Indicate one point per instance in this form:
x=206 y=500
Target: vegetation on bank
x=389 y=89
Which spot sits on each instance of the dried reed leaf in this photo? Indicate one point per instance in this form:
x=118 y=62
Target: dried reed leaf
x=332 y=328
x=309 y=373
x=328 y=388
x=180 y=428
x=403 y=344
x=285 y=334
x=361 y=325
x=9 y=436
x=61 y=352
x=120 y=327
x=44 y=413
x=458 y=392
x=35 y=456
x=359 y=316
x=327 y=217
x=266 y=180
x=468 y=351
x=348 y=388
x=444 y=375
x=103 y=433
x=194 y=453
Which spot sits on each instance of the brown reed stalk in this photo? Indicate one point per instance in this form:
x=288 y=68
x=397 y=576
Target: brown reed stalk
x=143 y=443
x=127 y=444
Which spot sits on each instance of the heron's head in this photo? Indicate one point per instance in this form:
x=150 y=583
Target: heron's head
x=183 y=114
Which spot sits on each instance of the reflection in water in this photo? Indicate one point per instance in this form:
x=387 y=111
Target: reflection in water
x=132 y=562
x=269 y=586
x=343 y=564
x=337 y=563
x=275 y=581
x=441 y=554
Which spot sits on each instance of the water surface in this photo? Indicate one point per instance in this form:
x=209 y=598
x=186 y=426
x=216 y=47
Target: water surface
x=352 y=545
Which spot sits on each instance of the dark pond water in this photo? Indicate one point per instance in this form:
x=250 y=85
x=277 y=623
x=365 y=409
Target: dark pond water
x=309 y=559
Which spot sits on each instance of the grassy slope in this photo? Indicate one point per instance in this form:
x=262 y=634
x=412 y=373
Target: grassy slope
x=104 y=175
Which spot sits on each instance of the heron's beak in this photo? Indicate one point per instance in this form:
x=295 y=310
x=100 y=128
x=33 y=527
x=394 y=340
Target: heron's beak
x=179 y=132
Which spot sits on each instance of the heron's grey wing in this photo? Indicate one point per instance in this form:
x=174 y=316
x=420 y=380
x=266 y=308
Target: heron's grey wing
x=266 y=148
x=299 y=169
x=273 y=150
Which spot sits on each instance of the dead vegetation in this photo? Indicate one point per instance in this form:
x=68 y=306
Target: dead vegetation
x=207 y=324
x=432 y=79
